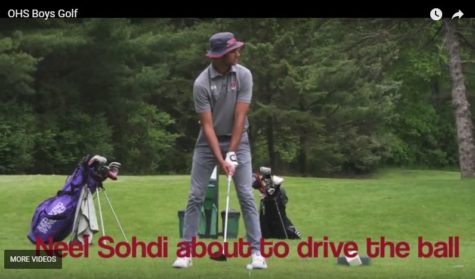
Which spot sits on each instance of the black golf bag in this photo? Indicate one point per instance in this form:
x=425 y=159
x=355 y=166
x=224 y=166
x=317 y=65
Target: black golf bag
x=272 y=214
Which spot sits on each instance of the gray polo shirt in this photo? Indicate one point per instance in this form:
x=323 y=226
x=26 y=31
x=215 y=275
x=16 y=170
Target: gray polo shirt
x=220 y=93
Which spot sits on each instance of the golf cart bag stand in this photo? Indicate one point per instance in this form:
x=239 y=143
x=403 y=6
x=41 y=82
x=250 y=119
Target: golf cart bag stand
x=272 y=210
x=55 y=217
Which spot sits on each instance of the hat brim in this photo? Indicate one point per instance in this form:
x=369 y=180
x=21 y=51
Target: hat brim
x=220 y=54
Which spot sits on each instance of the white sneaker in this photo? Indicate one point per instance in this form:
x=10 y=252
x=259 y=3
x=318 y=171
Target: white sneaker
x=182 y=262
x=258 y=261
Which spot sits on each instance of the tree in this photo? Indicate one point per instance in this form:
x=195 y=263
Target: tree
x=461 y=106
x=17 y=120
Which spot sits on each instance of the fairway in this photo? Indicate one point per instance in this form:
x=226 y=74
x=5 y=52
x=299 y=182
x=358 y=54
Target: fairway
x=400 y=205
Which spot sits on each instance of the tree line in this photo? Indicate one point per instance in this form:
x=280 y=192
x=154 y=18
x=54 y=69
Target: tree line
x=331 y=96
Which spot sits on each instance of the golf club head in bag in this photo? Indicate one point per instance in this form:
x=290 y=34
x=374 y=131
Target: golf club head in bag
x=100 y=170
x=113 y=170
x=265 y=182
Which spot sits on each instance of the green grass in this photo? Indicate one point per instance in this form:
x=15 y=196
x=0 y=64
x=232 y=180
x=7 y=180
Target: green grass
x=397 y=204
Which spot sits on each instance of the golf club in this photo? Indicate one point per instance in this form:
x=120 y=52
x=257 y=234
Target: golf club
x=97 y=158
x=219 y=255
x=281 y=220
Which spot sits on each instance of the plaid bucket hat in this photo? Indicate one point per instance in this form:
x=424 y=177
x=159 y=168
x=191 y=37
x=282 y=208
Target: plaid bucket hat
x=222 y=43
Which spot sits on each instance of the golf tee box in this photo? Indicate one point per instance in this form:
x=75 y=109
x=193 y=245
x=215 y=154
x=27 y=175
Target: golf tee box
x=233 y=223
x=209 y=223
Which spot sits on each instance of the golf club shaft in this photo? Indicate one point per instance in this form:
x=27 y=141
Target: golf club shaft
x=115 y=215
x=281 y=220
x=227 y=209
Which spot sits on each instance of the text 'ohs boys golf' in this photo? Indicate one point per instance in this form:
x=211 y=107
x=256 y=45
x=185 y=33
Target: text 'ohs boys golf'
x=42 y=14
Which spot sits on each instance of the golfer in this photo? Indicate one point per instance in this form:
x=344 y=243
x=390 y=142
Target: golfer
x=222 y=94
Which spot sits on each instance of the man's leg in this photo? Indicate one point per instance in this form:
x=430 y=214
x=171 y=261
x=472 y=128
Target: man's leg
x=202 y=167
x=243 y=183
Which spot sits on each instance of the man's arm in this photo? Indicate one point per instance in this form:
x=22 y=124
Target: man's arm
x=242 y=106
x=240 y=113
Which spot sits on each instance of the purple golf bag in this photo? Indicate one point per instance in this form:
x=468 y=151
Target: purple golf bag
x=54 y=217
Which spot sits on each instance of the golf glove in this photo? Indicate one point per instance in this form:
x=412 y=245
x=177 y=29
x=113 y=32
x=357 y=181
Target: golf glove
x=231 y=158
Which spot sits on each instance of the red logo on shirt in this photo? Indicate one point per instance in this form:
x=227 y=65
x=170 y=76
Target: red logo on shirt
x=233 y=84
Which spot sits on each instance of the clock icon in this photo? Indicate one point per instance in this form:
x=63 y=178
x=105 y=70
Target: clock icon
x=436 y=14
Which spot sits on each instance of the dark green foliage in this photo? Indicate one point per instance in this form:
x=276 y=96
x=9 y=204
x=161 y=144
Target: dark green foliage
x=331 y=96
x=321 y=95
x=424 y=126
x=147 y=144
x=62 y=141
x=17 y=136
